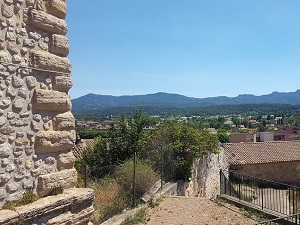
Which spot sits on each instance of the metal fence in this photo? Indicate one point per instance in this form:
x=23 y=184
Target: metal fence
x=267 y=195
x=163 y=167
x=287 y=220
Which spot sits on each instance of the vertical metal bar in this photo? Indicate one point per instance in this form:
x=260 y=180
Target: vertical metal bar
x=293 y=201
x=85 y=175
x=239 y=188
x=229 y=183
x=289 y=207
x=262 y=199
x=134 y=180
x=161 y=168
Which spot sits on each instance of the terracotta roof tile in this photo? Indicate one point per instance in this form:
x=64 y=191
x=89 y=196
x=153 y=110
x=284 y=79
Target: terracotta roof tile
x=82 y=146
x=262 y=152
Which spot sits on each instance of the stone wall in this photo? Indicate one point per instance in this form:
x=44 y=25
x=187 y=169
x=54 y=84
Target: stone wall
x=36 y=124
x=284 y=172
x=205 y=181
x=74 y=207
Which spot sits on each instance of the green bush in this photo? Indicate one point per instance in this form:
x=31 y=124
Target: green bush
x=145 y=176
x=110 y=199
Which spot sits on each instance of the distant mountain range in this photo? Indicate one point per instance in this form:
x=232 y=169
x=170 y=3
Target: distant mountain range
x=161 y=99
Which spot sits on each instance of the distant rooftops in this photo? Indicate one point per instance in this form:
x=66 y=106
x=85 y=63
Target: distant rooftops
x=262 y=152
x=82 y=146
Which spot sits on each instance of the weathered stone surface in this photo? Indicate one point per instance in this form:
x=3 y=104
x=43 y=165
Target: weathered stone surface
x=52 y=205
x=65 y=179
x=5 y=150
x=10 y=168
x=8 y=216
x=44 y=60
x=15 y=196
x=13 y=187
x=7 y=130
x=65 y=161
x=4 y=103
x=4 y=178
x=19 y=103
x=2 y=193
x=45 y=100
x=30 y=43
x=21 y=141
x=31 y=82
x=28 y=184
x=57 y=8
x=54 y=141
x=46 y=22
x=62 y=83
x=7 y=10
x=64 y=121
x=82 y=217
x=5 y=57
x=19 y=122
x=2 y=121
x=59 y=44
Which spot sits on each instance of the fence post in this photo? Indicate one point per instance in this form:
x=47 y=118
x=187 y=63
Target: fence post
x=134 y=179
x=262 y=198
x=161 y=168
x=85 y=175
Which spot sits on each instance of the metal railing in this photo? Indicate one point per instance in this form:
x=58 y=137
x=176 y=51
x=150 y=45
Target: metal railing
x=287 y=220
x=267 y=195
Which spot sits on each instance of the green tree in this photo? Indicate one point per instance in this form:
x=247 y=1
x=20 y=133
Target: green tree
x=179 y=145
x=126 y=136
x=223 y=137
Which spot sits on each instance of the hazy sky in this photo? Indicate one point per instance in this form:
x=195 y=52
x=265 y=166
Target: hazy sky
x=198 y=48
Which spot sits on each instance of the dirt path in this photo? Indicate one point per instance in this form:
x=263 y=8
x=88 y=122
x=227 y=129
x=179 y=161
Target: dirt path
x=188 y=211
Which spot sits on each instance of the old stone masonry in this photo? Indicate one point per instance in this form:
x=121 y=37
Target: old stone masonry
x=36 y=124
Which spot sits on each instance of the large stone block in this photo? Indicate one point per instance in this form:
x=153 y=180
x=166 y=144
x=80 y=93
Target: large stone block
x=54 y=141
x=59 y=44
x=46 y=22
x=55 y=207
x=62 y=83
x=64 y=179
x=57 y=8
x=47 y=61
x=65 y=161
x=64 y=121
x=83 y=217
x=45 y=100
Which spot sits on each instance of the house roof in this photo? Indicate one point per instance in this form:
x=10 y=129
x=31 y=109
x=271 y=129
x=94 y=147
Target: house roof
x=82 y=146
x=262 y=152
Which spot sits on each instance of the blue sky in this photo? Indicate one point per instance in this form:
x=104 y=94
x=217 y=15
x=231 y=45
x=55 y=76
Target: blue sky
x=197 y=48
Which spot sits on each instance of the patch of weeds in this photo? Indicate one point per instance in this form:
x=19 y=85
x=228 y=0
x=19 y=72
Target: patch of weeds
x=56 y=191
x=28 y=197
x=139 y=217
x=9 y=206
x=19 y=221
x=254 y=214
x=219 y=201
x=153 y=204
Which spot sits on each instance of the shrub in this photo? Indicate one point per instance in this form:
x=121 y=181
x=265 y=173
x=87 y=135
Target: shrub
x=145 y=176
x=109 y=199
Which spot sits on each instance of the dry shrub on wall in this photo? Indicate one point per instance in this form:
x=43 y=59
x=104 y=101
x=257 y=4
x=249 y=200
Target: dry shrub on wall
x=109 y=199
x=145 y=176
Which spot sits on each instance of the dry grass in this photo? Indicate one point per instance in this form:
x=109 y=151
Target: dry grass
x=109 y=199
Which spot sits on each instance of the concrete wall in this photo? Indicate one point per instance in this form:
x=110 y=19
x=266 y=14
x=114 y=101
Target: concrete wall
x=284 y=172
x=205 y=181
x=36 y=124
